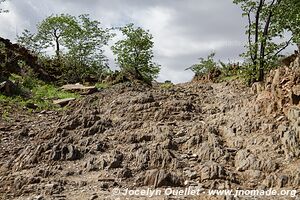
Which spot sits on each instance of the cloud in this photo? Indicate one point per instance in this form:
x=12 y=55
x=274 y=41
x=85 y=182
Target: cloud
x=183 y=30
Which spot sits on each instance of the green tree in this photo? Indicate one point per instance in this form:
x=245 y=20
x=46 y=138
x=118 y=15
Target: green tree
x=86 y=44
x=289 y=18
x=265 y=26
x=135 y=54
x=31 y=42
x=78 y=44
x=55 y=30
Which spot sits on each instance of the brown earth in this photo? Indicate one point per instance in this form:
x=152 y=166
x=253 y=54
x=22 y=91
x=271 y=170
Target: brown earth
x=212 y=136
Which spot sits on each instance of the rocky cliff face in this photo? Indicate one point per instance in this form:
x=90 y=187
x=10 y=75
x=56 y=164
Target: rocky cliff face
x=220 y=135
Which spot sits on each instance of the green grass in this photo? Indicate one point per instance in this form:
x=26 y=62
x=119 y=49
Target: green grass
x=102 y=85
x=229 y=78
x=167 y=85
x=34 y=91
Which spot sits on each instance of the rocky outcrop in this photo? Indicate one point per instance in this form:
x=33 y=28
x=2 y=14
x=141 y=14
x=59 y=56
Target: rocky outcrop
x=13 y=54
x=209 y=136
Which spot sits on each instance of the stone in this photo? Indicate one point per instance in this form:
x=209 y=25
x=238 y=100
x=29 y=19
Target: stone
x=24 y=132
x=91 y=166
x=243 y=160
x=160 y=178
x=39 y=197
x=31 y=105
x=117 y=160
x=125 y=173
x=63 y=102
x=212 y=170
x=8 y=88
x=72 y=153
x=95 y=196
x=80 y=88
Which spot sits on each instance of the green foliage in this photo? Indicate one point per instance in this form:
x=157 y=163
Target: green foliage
x=167 y=85
x=231 y=71
x=288 y=16
x=205 y=65
x=3 y=62
x=55 y=31
x=32 y=90
x=135 y=54
x=86 y=46
x=102 y=85
x=268 y=22
x=78 y=44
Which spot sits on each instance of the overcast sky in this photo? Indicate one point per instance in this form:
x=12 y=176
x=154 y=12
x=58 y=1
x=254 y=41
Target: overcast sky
x=183 y=30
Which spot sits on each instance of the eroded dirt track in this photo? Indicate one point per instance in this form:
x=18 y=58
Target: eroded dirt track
x=207 y=135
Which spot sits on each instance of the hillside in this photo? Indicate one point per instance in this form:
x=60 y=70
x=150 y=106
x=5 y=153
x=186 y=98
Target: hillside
x=212 y=135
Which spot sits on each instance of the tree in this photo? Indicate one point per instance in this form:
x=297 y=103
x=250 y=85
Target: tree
x=86 y=45
x=134 y=54
x=55 y=30
x=78 y=44
x=265 y=25
x=289 y=18
x=31 y=42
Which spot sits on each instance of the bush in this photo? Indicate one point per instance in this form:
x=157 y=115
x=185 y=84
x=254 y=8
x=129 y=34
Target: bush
x=207 y=69
x=134 y=54
x=167 y=85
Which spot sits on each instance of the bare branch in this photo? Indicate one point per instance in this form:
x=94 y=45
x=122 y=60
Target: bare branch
x=284 y=47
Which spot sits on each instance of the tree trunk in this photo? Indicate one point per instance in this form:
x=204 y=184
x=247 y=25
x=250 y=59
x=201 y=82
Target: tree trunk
x=256 y=38
x=57 y=48
x=257 y=18
x=57 y=51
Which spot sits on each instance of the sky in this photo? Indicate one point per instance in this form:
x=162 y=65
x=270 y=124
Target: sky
x=183 y=30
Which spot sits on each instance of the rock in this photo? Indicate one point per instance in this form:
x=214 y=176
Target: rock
x=212 y=170
x=192 y=174
x=102 y=164
x=283 y=181
x=24 y=132
x=56 y=155
x=160 y=178
x=71 y=153
x=91 y=166
x=8 y=88
x=39 y=197
x=117 y=160
x=66 y=152
x=31 y=105
x=63 y=102
x=125 y=173
x=276 y=79
x=243 y=160
x=80 y=88
x=95 y=196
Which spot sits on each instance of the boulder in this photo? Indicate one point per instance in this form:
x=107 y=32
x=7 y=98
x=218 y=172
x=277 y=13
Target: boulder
x=79 y=88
